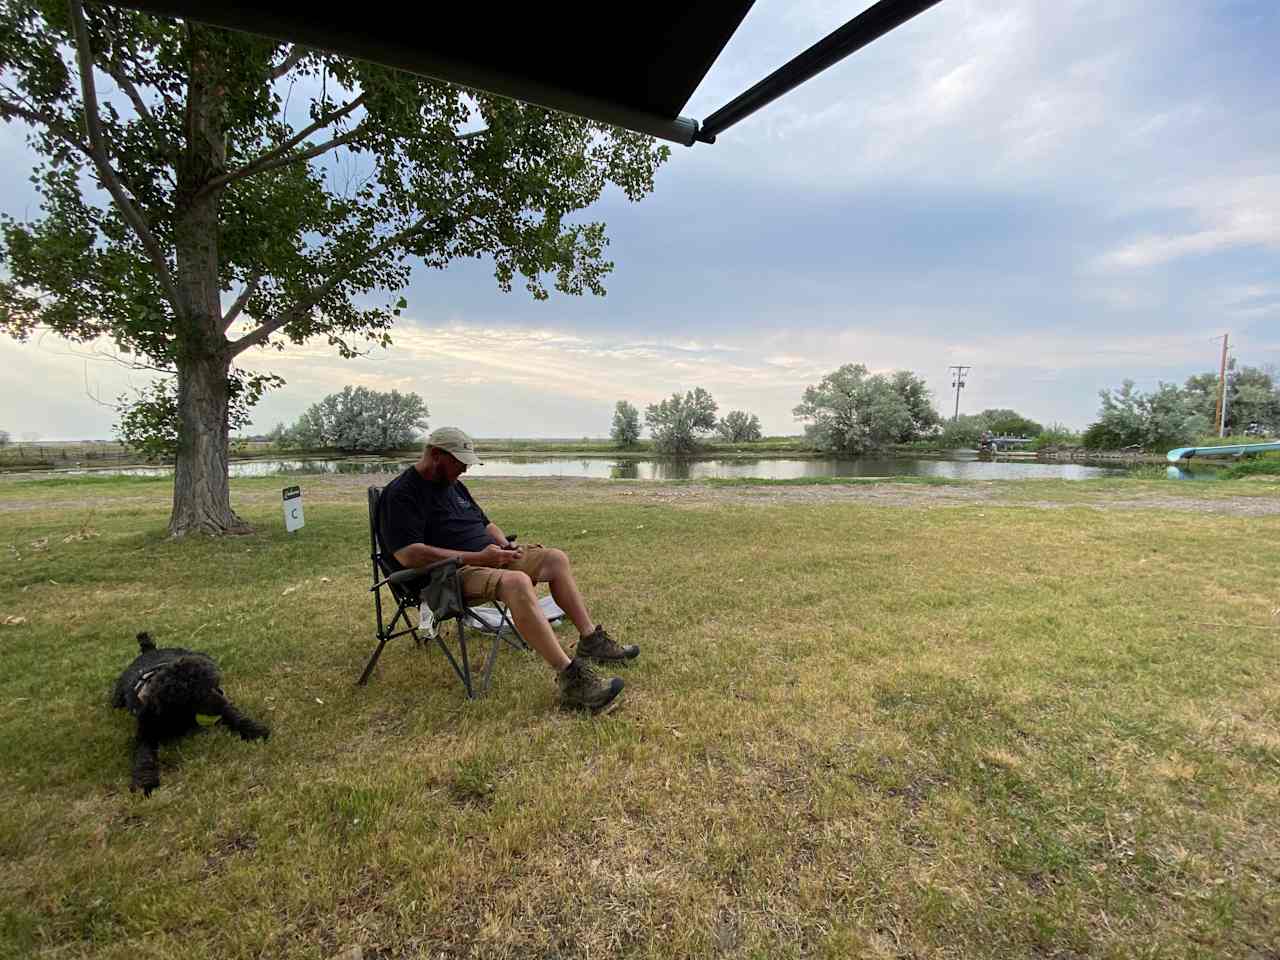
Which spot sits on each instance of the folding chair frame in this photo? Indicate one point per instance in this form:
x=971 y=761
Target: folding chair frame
x=405 y=587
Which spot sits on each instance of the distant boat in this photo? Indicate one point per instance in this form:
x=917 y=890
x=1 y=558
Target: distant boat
x=1229 y=450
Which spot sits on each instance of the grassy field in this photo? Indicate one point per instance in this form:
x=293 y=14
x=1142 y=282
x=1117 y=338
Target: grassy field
x=1038 y=719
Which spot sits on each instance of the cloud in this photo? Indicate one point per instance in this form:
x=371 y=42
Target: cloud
x=1060 y=194
x=1223 y=214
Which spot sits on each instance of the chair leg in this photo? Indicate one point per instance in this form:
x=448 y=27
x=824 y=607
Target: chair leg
x=492 y=658
x=364 y=677
x=462 y=670
x=466 y=660
x=385 y=634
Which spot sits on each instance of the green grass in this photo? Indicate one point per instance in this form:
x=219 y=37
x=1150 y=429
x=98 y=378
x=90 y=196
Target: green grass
x=1267 y=465
x=1043 y=724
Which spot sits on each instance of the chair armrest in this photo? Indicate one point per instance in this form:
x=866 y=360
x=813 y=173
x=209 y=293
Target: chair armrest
x=401 y=577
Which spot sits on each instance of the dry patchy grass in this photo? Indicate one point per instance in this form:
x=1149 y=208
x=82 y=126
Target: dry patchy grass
x=858 y=728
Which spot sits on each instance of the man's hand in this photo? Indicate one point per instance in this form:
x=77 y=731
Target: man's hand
x=496 y=556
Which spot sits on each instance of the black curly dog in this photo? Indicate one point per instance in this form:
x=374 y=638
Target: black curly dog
x=165 y=689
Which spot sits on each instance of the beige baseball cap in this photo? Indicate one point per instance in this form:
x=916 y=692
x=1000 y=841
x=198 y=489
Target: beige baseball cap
x=454 y=441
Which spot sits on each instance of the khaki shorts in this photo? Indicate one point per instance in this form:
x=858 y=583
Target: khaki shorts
x=481 y=583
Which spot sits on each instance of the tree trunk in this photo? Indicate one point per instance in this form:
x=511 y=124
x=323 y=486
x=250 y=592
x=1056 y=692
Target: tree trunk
x=201 y=491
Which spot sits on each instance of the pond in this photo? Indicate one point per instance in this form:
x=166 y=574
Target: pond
x=958 y=467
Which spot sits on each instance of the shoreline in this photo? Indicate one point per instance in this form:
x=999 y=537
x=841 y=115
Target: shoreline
x=93 y=465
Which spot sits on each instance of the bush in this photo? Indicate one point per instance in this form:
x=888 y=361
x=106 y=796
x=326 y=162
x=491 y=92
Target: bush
x=851 y=411
x=677 y=422
x=964 y=431
x=360 y=419
x=626 y=424
x=1168 y=417
x=1010 y=423
x=1262 y=466
x=1056 y=435
x=738 y=426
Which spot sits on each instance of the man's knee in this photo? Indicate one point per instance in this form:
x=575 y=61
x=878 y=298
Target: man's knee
x=555 y=560
x=515 y=586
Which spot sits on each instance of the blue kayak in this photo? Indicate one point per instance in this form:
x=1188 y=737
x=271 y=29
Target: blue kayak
x=1230 y=450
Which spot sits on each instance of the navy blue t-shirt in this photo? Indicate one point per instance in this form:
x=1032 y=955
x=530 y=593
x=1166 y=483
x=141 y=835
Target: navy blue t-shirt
x=414 y=510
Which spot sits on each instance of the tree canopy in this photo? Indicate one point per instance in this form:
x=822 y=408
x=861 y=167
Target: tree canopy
x=852 y=411
x=625 y=430
x=1128 y=417
x=678 y=422
x=1009 y=423
x=205 y=193
x=738 y=426
x=360 y=420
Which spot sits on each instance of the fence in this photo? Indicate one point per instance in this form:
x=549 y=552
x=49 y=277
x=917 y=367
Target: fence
x=54 y=455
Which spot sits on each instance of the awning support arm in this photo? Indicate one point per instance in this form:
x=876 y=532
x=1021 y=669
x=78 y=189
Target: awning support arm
x=871 y=24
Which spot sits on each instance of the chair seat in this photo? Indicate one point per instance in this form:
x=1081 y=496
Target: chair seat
x=492 y=619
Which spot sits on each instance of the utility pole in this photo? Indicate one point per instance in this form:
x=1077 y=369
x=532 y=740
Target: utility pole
x=1221 y=414
x=958 y=373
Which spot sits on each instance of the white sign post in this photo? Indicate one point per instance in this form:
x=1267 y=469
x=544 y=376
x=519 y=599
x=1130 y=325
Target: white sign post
x=293 y=509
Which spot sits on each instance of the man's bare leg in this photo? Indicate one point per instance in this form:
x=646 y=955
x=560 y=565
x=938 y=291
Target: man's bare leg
x=580 y=686
x=515 y=589
x=556 y=571
x=593 y=641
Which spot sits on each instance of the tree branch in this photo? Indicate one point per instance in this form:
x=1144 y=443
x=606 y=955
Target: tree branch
x=313 y=297
x=37 y=117
x=98 y=154
x=249 y=290
x=296 y=53
x=122 y=80
x=280 y=156
x=55 y=125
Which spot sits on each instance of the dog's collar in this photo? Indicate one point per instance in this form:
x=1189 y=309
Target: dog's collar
x=140 y=685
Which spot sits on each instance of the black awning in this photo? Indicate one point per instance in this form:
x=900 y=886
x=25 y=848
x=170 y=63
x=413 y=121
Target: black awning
x=634 y=66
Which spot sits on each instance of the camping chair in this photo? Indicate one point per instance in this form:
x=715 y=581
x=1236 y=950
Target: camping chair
x=439 y=582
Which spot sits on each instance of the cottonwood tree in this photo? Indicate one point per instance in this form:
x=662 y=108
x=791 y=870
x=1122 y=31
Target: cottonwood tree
x=914 y=392
x=678 y=422
x=205 y=193
x=360 y=419
x=1009 y=423
x=738 y=426
x=625 y=430
x=1253 y=400
x=1128 y=417
x=851 y=411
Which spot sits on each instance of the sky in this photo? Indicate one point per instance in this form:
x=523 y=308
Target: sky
x=1059 y=194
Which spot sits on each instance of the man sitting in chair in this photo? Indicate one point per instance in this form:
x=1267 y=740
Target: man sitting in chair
x=428 y=515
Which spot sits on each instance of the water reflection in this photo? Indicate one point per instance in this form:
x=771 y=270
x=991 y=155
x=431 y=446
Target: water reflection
x=1186 y=473
x=800 y=469
x=966 y=468
x=768 y=469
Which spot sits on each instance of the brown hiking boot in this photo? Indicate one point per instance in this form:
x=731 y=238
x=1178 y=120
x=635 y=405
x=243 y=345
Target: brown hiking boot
x=601 y=647
x=581 y=688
